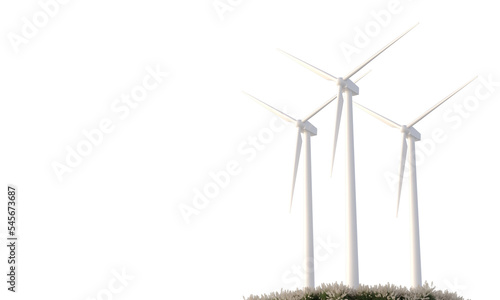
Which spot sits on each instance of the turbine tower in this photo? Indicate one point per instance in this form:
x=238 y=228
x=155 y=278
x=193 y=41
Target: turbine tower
x=347 y=89
x=411 y=135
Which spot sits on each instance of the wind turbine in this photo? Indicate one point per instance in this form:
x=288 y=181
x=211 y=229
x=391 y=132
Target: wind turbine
x=348 y=89
x=411 y=135
x=307 y=130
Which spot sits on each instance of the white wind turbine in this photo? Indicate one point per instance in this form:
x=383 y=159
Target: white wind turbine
x=347 y=88
x=307 y=129
x=411 y=135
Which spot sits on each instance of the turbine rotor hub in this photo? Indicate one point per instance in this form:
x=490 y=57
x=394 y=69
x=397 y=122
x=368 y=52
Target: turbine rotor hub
x=300 y=124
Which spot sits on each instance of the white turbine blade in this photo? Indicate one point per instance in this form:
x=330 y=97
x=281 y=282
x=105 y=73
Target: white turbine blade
x=439 y=103
x=337 y=125
x=368 y=72
x=272 y=109
x=401 y=170
x=379 y=117
x=320 y=108
x=310 y=67
x=329 y=101
x=378 y=53
x=296 y=166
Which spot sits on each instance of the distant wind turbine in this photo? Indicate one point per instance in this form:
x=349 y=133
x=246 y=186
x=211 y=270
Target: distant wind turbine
x=411 y=135
x=348 y=88
x=307 y=130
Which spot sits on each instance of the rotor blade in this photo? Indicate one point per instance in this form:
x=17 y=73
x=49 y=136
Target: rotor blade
x=329 y=101
x=310 y=67
x=377 y=54
x=272 y=109
x=320 y=108
x=296 y=166
x=401 y=170
x=439 y=103
x=368 y=72
x=379 y=117
x=337 y=125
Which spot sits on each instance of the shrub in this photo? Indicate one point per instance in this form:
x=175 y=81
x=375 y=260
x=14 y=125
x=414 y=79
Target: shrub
x=363 y=292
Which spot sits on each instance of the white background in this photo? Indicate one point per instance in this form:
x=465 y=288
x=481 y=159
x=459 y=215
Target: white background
x=119 y=209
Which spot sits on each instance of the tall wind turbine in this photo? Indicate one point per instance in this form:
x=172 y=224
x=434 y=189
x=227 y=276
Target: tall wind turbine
x=306 y=129
x=347 y=89
x=411 y=135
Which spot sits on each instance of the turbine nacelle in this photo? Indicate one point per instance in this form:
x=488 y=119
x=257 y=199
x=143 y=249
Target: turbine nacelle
x=307 y=126
x=348 y=84
x=411 y=131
